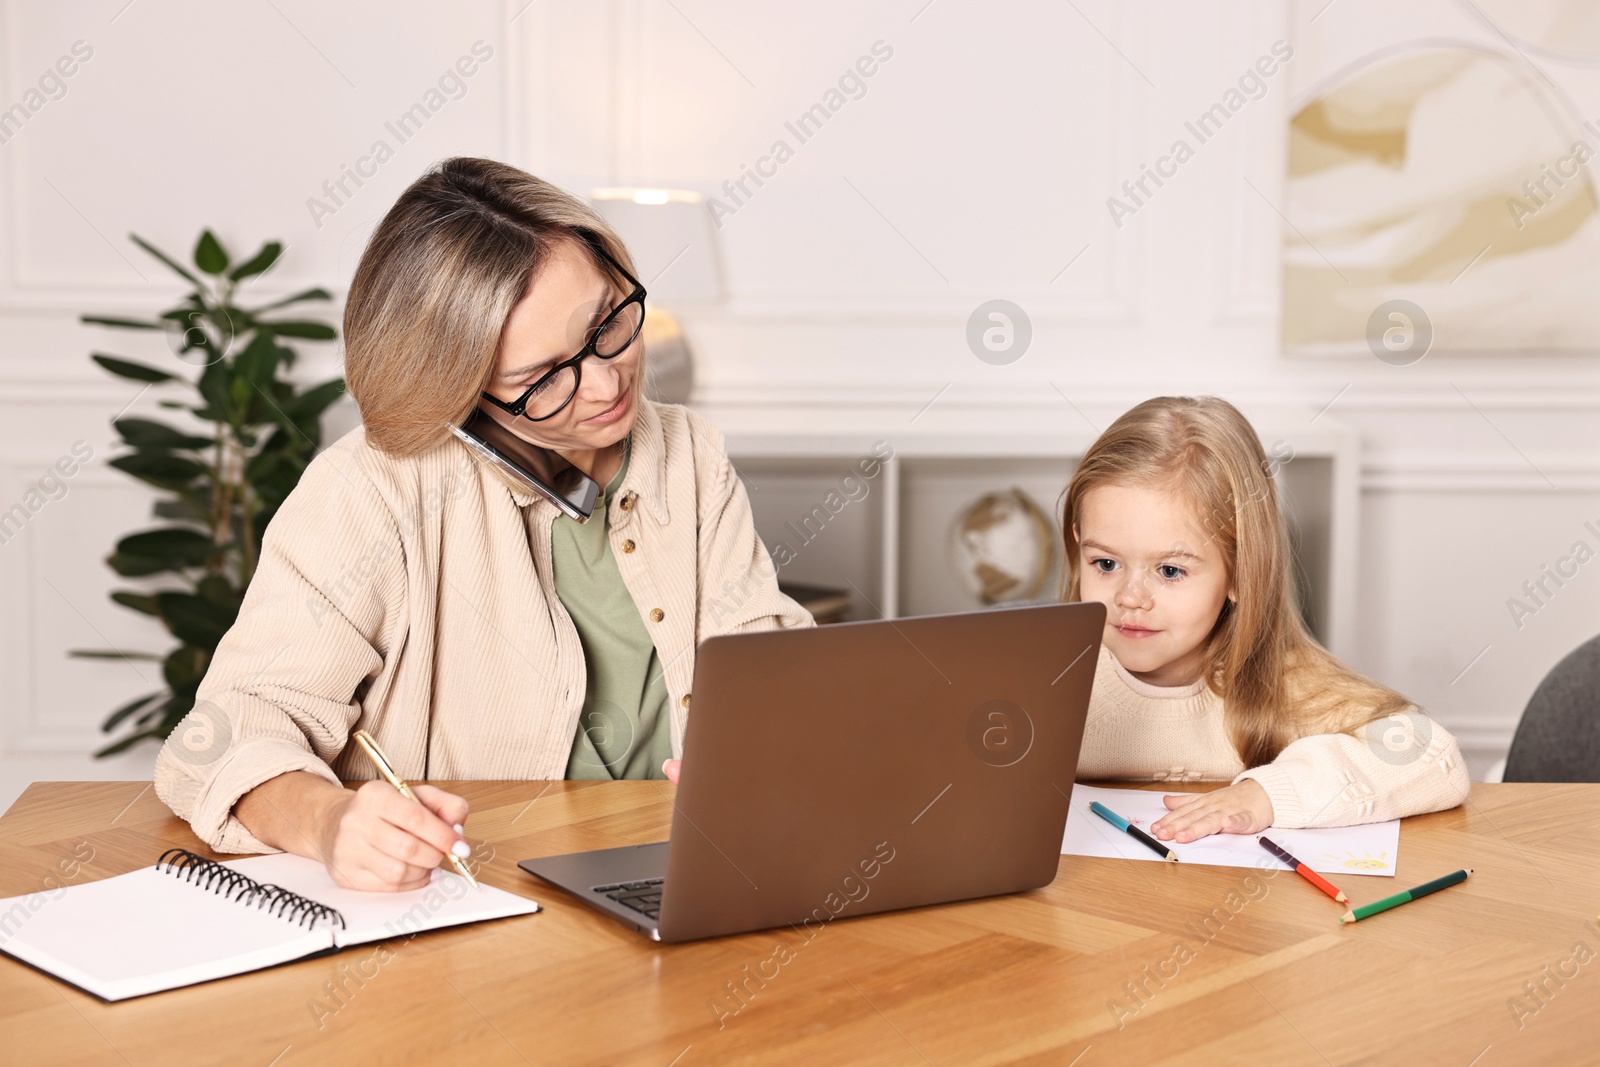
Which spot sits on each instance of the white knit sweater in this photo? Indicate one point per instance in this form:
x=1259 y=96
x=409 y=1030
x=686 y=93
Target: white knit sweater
x=1389 y=768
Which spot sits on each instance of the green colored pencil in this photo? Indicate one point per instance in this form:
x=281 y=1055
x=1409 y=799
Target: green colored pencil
x=1405 y=896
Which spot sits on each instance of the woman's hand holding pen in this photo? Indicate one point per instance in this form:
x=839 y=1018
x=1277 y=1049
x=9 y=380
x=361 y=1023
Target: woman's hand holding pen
x=1241 y=808
x=374 y=838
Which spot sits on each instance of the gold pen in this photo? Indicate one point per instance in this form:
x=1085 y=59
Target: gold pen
x=370 y=747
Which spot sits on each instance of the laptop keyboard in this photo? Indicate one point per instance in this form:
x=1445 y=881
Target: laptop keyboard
x=643 y=897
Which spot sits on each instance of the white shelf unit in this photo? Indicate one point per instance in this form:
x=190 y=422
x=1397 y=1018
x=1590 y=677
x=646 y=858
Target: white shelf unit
x=886 y=538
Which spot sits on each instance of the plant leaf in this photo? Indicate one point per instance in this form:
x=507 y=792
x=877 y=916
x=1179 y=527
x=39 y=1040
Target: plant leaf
x=101 y=653
x=147 y=433
x=137 y=601
x=208 y=254
x=239 y=391
x=259 y=262
x=174 y=546
x=163 y=257
x=310 y=331
x=128 y=742
x=136 y=566
x=217 y=590
x=241 y=321
x=129 y=324
x=315 y=293
x=127 y=368
x=161 y=710
x=314 y=401
x=274 y=472
x=185 y=667
x=180 y=509
x=258 y=363
x=127 y=709
x=216 y=387
x=194 y=620
x=164 y=470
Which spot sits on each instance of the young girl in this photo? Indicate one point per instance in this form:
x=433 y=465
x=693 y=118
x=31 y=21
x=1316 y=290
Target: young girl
x=1206 y=671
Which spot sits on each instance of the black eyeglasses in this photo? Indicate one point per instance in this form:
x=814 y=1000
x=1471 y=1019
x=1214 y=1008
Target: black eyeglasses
x=554 y=390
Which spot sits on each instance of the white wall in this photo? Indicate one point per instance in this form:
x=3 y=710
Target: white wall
x=977 y=165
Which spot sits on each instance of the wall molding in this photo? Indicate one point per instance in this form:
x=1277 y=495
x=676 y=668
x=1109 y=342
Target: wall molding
x=1500 y=391
x=1571 y=471
x=1099 y=310
x=1484 y=737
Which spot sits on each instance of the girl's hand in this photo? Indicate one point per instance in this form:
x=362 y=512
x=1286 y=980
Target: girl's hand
x=373 y=838
x=670 y=768
x=1241 y=808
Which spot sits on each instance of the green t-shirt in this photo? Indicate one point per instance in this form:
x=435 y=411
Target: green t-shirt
x=625 y=730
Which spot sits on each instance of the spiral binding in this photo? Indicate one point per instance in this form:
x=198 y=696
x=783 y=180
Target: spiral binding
x=220 y=878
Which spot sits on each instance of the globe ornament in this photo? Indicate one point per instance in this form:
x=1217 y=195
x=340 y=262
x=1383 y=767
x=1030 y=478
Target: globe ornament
x=1003 y=545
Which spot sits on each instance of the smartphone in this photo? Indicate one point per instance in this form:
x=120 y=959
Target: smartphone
x=538 y=469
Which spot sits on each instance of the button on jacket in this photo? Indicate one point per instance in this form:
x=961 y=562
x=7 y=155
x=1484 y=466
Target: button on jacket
x=413 y=597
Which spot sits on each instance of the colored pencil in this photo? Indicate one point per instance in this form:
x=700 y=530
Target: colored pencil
x=1132 y=831
x=1406 y=896
x=1305 y=872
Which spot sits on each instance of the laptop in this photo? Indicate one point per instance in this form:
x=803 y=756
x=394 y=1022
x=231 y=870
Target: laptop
x=860 y=767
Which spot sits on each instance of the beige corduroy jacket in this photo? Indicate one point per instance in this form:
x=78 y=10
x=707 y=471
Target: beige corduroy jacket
x=414 y=598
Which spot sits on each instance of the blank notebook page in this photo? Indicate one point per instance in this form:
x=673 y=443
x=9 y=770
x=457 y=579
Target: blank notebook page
x=448 y=900
x=150 y=930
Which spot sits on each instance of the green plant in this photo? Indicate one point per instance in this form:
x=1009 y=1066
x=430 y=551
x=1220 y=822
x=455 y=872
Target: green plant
x=221 y=488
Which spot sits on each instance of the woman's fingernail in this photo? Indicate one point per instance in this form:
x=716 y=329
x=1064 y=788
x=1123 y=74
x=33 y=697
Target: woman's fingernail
x=459 y=829
x=461 y=849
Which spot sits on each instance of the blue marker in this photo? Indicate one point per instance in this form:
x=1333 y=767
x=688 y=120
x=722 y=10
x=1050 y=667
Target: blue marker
x=1133 y=831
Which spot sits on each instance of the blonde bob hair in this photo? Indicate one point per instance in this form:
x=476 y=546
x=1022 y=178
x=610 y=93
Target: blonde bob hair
x=1276 y=681
x=435 y=287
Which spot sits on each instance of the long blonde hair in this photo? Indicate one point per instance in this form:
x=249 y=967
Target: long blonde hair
x=437 y=282
x=1276 y=681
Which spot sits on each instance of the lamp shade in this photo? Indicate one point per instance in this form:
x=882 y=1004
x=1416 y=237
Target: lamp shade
x=672 y=239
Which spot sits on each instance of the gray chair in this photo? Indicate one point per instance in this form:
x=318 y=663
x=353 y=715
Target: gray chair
x=1558 y=739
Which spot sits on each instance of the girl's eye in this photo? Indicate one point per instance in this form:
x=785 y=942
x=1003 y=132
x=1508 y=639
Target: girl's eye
x=1104 y=566
x=1170 y=572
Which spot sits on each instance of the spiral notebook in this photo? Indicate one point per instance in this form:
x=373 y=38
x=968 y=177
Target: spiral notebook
x=190 y=919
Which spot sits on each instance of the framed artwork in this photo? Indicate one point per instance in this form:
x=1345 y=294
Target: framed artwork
x=1441 y=194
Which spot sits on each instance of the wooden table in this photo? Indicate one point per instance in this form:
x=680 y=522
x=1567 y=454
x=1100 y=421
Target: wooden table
x=1268 y=976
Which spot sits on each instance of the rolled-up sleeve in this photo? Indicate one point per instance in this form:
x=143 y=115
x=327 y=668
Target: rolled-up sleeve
x=1399 y=765
x=321 y=612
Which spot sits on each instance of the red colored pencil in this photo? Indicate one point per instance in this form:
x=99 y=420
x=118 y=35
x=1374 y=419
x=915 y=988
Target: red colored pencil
x=1305 y=872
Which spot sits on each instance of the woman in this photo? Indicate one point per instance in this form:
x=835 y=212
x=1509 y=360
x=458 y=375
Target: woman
x=410 y=589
